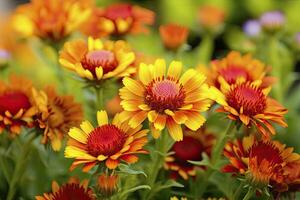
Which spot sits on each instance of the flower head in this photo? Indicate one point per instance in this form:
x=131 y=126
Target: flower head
x=211 y=17
x=16 y=104
x=166 y=99
x=173 y=36
x=272 y=21
x=109 y=143
x=51 y=19
x=95 y=60
x=107 y=184
x=192 y=146
x=56 y=115
x=118 y=19
x=252 y=28
x=248 y=103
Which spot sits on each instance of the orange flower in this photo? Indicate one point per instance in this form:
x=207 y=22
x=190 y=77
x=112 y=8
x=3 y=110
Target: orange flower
x=95 y=61
x=111 y=143
x=71 y=190
x=248 y=103
x=173 y=36
x=210 y=16
x=51 y=19
x=167 y=100
x=108 y=184
x=16 y=104
x=56 y=115
x=113 y=106
x=262 y=162
x=192 y=146
x=118 y=19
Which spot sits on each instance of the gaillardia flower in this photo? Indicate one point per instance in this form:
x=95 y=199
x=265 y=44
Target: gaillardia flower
x=95 y=60
x=166 y=99
x=16 y=105
x=236 y=66
x=173 y=36
x=192 y=146
x=261 y=162
x=73 y=190
x=56 y=115
x=109 y=143
x=50 y=19
x=248 y=103
x=107 y=184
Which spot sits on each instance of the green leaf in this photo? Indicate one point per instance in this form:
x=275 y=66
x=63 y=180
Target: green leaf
x=204 y=162
x=135 y=189
x=127 y=170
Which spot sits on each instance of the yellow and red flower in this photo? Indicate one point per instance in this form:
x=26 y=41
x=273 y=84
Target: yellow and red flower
x=173 y=36
x=95 y=60
x=192 y=146
x=51 y=19
x=166 y=99
x=109 y=143
x=56 y=115
x=248 y=103
x=108 y=184
x=118 y=19
x=71 y=190
x=16 y=105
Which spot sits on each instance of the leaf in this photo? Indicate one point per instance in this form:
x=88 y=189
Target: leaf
x=127 y=170
x=204 y=162
x=135 y=189
x=169 y=184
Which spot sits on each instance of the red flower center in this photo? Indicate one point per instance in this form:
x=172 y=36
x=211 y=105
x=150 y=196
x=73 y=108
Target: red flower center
x=105 y=140
x=231 y=74
x=99 y=58
x=266 y=150
x=117 y=11
x=13 y=102
x=162 y=94
x=251 y=99
x=72 y=192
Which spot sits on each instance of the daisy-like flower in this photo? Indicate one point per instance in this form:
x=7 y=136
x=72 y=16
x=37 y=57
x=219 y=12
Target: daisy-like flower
x=173 y=36
x=248 y=103
x=252 y=28
x=262 y=162
x=51 y=19
x=166 y=99
x=192 y=146
x=95 y=60
x=73 y=190
x=16 y=105
x=236 y=66
x=56 y=115
x=109 y=143
x=107 y=184
x=118 y=19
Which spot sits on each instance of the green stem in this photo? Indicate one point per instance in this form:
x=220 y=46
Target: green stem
x=19 y=168
x=237 y=193
x=248 y=194
x=99 y=98
x=206 y=49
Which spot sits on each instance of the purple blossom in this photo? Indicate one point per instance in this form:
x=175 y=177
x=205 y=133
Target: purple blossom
x=272 y=20
x=252 y=28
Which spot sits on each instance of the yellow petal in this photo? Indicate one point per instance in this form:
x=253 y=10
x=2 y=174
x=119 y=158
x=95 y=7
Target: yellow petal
x=102 y=117
x=145 y=74
x=134 y=86
x=78 y=135
x=160 y=122
x=174 y=130
x=159 y=68
x=87 y=127
x=175 y=69
x=99 y=72
x=137 y=119
x=152 y=115
x=195 y=120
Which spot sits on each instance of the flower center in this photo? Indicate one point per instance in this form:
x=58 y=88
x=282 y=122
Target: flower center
x=162 y=94
x=99 y=58
x=72 y=192
x=232 y=73
x=118 y=11
x=251 y=99
x=13 y=102
x=57 y=116
x=105 y=140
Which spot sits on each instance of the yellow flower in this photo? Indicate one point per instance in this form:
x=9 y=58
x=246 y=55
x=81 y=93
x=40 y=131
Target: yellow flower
x=109 y=143
x=166 y=99
x=95 y=60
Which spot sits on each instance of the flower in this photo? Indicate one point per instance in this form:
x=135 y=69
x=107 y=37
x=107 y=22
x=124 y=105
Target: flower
x=211 y=17
x=252 y=28
x=173 y=36
x=176 y=198
x=111 y=143
x=16 y=105
x=50 y=19
x=56 y=115
x=71 y=190
x=262 y=162
x=248 y=103
x=108 y=184
x=118 y=19
x=192 y=146
x=272 y=21
x=95 y=60
x=236 y=66
x=113 y=106
x=166 y=99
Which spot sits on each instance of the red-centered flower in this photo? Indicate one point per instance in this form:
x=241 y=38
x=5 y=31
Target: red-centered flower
x=192 y=146
x=248 y=103
x=173 y=36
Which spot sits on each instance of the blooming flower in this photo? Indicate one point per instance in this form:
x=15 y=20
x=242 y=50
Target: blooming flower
x=16 y=104
x=50 y=19
x=109 y=143
x=95 y=60
x=252 y=28
x=166 y=99
x=272 y=21
x=211 y=17
x=56 y=115
x=248 y=103
x=192 y=146
x=173 y=36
